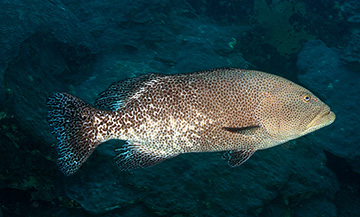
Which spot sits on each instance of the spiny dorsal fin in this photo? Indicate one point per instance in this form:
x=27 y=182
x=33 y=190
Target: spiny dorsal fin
x=116 y=95
x=238 y=157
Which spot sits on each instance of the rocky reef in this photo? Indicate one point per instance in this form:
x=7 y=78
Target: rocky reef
x=81 y=47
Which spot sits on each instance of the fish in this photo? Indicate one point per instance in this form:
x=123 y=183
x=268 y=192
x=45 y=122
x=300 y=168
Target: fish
x=230 y=110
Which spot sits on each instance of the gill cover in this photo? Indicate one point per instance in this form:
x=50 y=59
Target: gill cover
x=267 y=113
x=281 y=113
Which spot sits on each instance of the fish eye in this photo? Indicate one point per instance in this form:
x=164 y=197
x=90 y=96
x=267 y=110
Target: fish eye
x=306 y=98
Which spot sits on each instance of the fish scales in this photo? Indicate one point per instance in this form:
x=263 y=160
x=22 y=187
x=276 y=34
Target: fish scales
x=161 y=116
x=187 y=107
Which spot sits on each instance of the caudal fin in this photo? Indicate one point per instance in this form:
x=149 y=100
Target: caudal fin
x=72 y=121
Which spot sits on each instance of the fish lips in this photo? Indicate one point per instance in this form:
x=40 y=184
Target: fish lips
x=324 y=118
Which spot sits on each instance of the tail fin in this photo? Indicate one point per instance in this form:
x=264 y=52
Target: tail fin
x=72 y=121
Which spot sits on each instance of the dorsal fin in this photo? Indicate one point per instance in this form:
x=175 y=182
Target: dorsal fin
x=116 y=95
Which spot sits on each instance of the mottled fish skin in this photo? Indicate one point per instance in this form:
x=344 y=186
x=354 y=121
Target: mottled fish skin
x=234 y=110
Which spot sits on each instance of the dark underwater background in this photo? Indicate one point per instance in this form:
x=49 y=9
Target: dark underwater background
x=81 y=47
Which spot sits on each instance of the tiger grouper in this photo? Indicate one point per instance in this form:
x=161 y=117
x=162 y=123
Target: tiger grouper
x=161 y=116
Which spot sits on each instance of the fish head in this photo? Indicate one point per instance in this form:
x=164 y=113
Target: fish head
x=291 y=111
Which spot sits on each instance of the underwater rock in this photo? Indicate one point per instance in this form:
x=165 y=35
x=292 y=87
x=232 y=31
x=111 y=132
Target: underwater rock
x=350 y=10
x=351 y=55
x=324 y=207
x=27 y=171
x=21 y=19
x=167 y=35
x=102 y=189
x=287 y=36
x=325 y=74
x=320 y=73
x=44 y=49
x=203 y=184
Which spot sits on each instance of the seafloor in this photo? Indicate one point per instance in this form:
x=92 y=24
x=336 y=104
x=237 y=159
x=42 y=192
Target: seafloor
x=81 y=47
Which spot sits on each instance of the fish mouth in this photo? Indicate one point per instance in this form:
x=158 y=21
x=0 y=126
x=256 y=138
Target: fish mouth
x=324 y=118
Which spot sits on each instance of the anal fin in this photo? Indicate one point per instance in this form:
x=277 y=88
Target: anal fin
x=238 y=157
x=135 y=155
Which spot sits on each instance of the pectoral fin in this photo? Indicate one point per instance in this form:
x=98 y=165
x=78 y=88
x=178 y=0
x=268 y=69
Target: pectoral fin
x=249 y=130
x=238 y=157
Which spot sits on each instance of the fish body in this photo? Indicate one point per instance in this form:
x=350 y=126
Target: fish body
x=162 y=116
